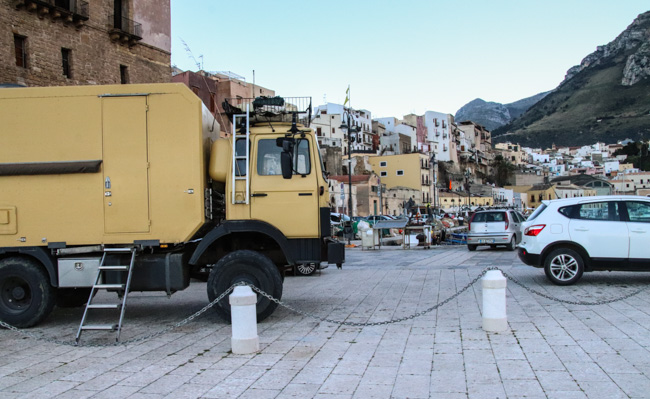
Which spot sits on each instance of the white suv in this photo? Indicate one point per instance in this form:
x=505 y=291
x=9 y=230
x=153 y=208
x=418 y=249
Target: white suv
x=570 y=236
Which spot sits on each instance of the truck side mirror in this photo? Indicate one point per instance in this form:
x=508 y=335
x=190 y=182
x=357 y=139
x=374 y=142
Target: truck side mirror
x=285 y=162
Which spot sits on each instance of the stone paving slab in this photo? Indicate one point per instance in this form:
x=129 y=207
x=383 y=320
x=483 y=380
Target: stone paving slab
x=551 y=350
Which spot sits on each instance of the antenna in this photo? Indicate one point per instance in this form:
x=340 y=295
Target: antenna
x=189 y=54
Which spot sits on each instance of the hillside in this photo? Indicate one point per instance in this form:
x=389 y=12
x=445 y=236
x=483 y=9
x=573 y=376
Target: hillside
x=605 y=98
x=492 y=114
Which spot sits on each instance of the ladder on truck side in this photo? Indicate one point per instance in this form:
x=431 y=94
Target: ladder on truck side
x=236 y=172
x=100 y=284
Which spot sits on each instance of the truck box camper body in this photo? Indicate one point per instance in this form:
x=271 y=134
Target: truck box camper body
x=84 y=170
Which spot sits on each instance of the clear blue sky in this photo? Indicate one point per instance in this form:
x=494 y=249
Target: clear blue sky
x=398 y=56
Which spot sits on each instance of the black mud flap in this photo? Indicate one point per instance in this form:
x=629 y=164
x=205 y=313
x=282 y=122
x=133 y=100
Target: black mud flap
x=335 y=252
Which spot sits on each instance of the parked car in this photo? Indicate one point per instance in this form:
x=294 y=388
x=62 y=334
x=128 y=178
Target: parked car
x=494 y=227
x=570 y=236
x=372 y=219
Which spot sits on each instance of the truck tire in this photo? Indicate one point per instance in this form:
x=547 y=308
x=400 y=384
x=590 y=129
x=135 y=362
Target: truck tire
x=249 y=267
x=72 y=297
x=26 y=296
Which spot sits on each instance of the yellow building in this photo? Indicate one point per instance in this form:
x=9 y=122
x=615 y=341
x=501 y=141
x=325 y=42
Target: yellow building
x=406 y=170
x=450 y=201
x=532 y=196
x=512 y=153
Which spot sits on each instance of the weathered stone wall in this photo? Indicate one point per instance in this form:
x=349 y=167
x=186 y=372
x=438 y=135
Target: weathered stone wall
x=96 y=56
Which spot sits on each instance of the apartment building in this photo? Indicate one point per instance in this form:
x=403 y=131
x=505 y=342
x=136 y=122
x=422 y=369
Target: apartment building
x=482 y=142
x=513 y=153
x=439 y=131
x=361 y=119
x=400 y=137
x=406 y=170
x=75 y=42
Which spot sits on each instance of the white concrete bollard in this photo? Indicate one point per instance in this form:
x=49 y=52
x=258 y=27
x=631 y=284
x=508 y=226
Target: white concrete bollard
x=244 y=321
x=494 y=301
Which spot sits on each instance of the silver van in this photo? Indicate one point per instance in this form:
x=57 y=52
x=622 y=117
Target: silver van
x=494 y=227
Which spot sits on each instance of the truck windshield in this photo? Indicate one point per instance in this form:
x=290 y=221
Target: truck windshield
x=268 y=158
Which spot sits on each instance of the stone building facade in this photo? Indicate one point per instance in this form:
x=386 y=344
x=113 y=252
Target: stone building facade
x=75 y=42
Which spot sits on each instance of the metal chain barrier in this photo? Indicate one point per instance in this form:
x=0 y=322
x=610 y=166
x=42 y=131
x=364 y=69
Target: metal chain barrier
x=543 y=295
x=377 y=323
x=130 y=341
x=322 y=319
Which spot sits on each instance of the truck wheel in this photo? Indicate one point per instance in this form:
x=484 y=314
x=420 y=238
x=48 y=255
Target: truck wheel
x=26 y=296
x=72 y=297
x=249 y=267
x=306 y=269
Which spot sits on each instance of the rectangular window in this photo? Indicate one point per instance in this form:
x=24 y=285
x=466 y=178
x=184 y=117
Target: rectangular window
x=333 y=131
x=383 y=164
x=638 y=211
x=599 y=211
x=124 y=74
x=268 y=158
x=65 y=62
x=65 y=4
x=318 y=131
x=20 y=46
x=400 y=173
x=383 y=173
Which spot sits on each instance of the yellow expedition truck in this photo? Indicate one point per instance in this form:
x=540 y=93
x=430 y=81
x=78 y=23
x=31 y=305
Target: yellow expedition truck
x=130 y=188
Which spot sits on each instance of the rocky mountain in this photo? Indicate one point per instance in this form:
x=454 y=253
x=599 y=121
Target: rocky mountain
x=605 y=98
x=493 y=115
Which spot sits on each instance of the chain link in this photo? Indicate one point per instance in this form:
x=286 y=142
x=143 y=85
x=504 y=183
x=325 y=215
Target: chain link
x=127 y=342
x=377 y=323
x=306 y=314
x=552 y=298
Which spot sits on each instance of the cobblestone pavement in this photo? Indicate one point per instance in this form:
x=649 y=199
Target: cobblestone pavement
x=551 y=350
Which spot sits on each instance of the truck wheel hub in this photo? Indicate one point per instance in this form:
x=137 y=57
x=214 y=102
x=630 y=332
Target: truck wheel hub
x=18 y=293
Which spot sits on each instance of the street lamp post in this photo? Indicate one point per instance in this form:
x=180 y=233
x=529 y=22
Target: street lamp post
x=348 y=129
x=432 y=165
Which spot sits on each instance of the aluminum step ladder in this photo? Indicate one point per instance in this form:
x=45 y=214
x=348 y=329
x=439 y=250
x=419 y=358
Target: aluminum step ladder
x=101 y=285
x=237 y=172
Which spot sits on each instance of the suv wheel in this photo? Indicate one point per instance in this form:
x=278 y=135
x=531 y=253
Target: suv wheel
x=563 y=266
x=471 y=247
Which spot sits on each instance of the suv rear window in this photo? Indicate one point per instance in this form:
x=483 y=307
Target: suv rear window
x=537 y=212
x=489 y=217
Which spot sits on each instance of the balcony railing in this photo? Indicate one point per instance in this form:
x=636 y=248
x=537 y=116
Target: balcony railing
x=124 y=29
x=75 y=11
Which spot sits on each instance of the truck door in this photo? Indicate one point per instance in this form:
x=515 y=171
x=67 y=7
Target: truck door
x=291 y=205
x=125 y=164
